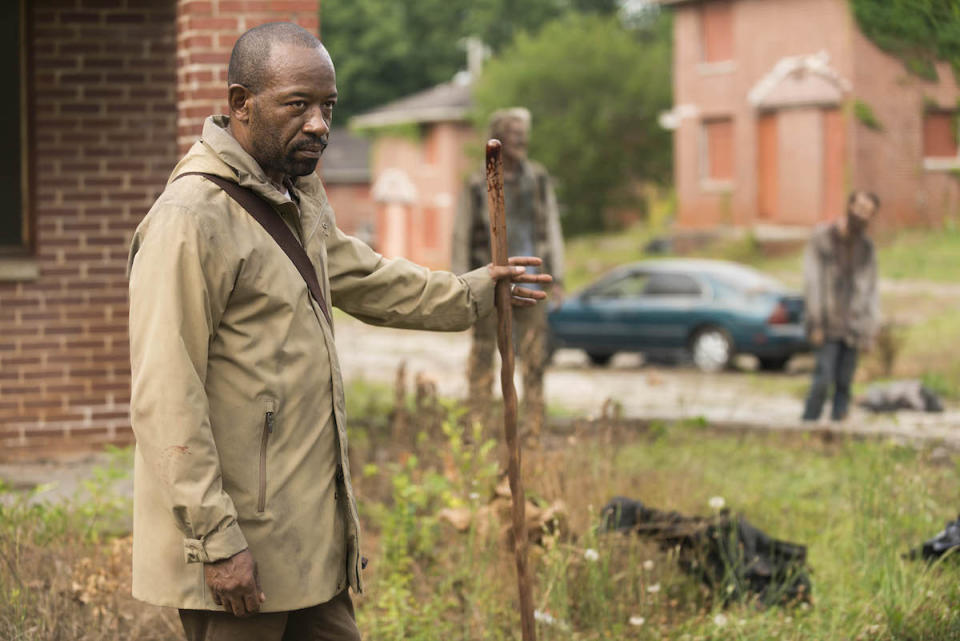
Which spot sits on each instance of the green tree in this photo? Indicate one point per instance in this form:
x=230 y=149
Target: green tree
x=595 y=90
x=919 y=32
x=386 y=49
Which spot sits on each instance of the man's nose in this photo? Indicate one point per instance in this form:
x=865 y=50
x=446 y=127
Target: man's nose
x=315 y=124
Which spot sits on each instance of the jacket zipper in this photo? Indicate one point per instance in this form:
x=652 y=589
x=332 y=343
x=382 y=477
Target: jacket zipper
x=268 y=425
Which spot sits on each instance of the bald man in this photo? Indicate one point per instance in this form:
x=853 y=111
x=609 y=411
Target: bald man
x=244 y=512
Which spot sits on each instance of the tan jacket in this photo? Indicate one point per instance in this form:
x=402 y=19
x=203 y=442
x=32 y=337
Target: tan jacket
x=237 y=399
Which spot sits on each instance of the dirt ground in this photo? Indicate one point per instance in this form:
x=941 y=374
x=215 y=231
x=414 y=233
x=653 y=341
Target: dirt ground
x=575 y=387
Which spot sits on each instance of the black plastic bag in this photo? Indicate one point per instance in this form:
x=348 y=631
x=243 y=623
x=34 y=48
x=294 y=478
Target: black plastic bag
x=725 y=552
x=940 y=544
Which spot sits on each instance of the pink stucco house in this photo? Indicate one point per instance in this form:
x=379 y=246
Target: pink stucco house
x=770 y=98
x=419 y=161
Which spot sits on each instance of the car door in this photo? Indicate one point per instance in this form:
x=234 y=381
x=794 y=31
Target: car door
x=600 y=321
x=670 y=307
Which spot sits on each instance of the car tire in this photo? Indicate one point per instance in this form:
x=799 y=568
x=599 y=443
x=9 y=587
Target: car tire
x=599 y=359
x=711 y=349
x=773 y=363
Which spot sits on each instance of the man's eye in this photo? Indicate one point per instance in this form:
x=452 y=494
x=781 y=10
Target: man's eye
x=297 y=104
x=330 y=104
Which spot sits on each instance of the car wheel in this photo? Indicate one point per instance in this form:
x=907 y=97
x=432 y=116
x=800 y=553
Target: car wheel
x=599 y=359
x=712 y=349
x=773 y=363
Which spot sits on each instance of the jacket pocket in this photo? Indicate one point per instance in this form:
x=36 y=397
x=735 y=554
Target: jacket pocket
x=269 y=421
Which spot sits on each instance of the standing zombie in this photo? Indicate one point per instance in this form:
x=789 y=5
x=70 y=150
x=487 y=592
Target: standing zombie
x=842 y=309
x=244 y=511
x=533 y=228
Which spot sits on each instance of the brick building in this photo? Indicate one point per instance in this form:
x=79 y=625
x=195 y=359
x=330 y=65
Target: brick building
x=782 y=106
x=345 y=171
x=417 y=179
x=109 y=93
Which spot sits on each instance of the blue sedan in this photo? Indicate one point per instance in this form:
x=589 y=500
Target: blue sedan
x=712 y=310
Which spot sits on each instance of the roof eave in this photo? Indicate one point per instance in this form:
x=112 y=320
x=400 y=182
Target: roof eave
x=376 y=120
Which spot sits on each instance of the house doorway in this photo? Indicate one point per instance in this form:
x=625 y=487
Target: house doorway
x=800 y=165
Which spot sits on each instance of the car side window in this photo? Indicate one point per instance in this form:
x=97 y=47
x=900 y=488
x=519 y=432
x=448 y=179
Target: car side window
x=628 y=286
x=672 y=285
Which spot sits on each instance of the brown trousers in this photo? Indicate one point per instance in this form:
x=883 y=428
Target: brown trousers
x=530 y=337
x=330 y=621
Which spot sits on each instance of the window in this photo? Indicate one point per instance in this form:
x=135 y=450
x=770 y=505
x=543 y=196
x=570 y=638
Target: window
x=672 y=285
x=718 y=150
x=627 y=286
x=14 y=228
x=940 y=134
x=716 y=31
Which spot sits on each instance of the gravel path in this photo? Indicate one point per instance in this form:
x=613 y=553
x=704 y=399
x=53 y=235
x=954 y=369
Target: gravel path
x=643 y=391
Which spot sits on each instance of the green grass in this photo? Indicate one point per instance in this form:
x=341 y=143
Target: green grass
x=592 y=255
x=857 y=505
x=921 y=255
x=927 y=353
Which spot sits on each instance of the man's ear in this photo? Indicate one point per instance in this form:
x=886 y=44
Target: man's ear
x=239 y=98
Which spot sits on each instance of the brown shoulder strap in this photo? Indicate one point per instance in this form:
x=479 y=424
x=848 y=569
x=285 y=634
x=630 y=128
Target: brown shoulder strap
x=263 y=213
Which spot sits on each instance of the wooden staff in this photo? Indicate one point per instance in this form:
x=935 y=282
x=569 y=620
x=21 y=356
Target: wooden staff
x=498 y=238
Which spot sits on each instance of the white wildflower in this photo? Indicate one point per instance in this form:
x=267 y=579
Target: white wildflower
x=474 y=496
x=548 y=619
x=591 y=555
x=648 y=565
x=653 y=589
x=638 y=621
x=544 y=617
x=716 y=502
x=720 y=620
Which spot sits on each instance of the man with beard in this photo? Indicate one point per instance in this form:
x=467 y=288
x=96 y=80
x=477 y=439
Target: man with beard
x=533 y=227
x=244 y=511
x=841 y=302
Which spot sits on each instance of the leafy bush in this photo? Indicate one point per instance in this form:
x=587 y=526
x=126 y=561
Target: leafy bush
x=918 y=32
x=595 y=89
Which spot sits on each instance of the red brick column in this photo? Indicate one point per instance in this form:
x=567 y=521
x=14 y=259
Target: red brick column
x=104 y=116
x=206 y=32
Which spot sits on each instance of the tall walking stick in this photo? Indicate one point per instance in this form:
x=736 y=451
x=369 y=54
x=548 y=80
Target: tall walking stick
x=498 y=236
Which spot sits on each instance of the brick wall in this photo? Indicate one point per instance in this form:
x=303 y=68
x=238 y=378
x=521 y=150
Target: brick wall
x=104 y=110
x=354 y=207
x=115 y=85
x=206 y=32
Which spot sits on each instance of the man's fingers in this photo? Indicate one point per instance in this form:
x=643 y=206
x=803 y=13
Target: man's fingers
x=533 y=278
x=239 y=609
x=523 y=292
x=517 y=301
x=516 y=274
x=256 y=579
x=252 y=602
x=528 y=261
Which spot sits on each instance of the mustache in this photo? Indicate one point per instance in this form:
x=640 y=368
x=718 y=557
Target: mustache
x=313 y=144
